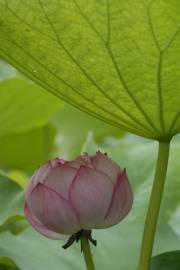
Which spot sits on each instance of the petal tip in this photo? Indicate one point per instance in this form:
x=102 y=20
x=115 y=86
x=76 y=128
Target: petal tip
x=56 y=162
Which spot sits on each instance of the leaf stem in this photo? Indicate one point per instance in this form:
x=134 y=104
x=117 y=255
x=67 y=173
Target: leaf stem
x=87 y=253
x=154 y=206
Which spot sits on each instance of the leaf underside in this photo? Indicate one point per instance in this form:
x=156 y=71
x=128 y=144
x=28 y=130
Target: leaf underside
x=117 y=60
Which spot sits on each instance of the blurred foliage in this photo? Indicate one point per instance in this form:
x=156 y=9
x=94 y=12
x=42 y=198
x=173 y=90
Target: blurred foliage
x=11 y=201
x=18 y=176
x=26 y=135
x=27 y=150
x=74 y=126
x=14 y=224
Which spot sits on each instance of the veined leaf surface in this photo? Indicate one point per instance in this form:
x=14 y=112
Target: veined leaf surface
x=118 y=60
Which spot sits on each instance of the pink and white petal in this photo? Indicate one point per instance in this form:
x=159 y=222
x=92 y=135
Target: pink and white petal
x=60 y=179
x=39 y=176
x=86 y=159
x=57 y=162
x=30 y=187
x=39 y=227
x=81 y=160
x=121 y=203
x=75 y=163
x=90 y=194
x=41 y=173
x=53 y=211
x=104 y=164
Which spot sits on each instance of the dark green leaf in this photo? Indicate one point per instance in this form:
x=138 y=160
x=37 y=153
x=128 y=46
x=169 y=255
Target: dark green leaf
x=166 y=261
x=7 y=264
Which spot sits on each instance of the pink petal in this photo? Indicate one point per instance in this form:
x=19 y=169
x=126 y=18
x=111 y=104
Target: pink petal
x=57 y=162
x=41 y=173
x=90 y=194
x=38 y=177
x=84 y=159
x=104 y=164
x=76 y=164
x=38 y=226
x=121 y=201
x=53 y=210
x=60 y=179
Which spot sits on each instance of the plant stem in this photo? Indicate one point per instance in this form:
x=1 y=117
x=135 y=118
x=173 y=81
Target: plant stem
x=87 y=253
x=154 y=206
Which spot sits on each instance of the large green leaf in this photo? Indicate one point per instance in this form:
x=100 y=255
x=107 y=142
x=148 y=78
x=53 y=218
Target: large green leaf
x=117 y=60
x=125 y=238
x=166 y=261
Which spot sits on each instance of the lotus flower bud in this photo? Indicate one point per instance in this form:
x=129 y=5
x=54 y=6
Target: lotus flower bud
x=64 y=197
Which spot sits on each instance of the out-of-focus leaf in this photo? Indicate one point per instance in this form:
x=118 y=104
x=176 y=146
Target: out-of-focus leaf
x=47 y=254
x=117 y=60
x=5 y=267
x=14 y=224
x=18 y=176
x=26 y=139
x=166 y=261
x=29 y=244
x=123 y=239
x=7 y=264
x=24 y=106
x=74 y=127
x=28 y=150
x=11 y=203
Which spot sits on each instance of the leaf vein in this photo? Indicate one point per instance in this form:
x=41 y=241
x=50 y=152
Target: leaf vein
x=115 y=65
x=54 y=91
x=71 y=87
x=85 y=73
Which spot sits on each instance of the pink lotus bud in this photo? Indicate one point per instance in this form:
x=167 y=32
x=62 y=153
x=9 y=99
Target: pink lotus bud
x=64 y=197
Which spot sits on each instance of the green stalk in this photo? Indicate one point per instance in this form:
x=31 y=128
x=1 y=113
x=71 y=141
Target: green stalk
x=87 y=253
x=154 y=206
